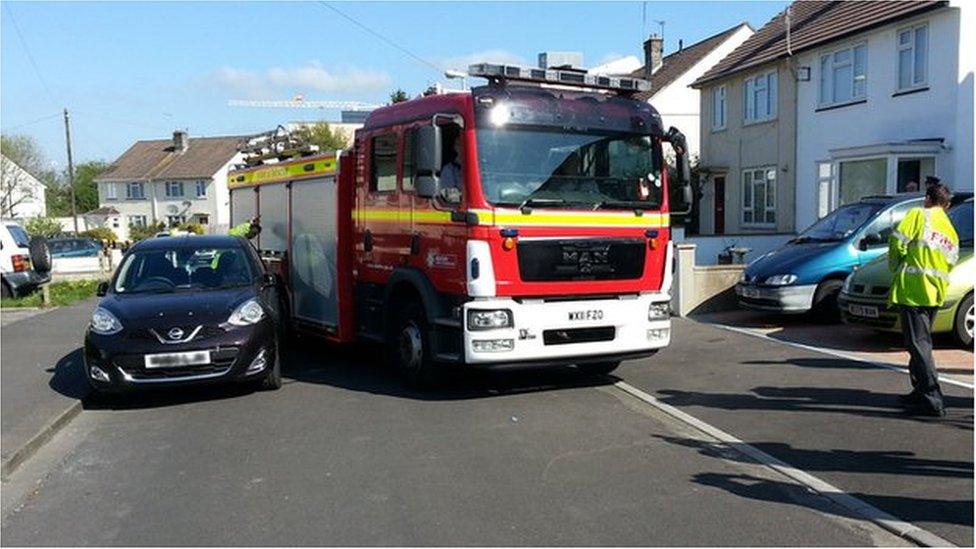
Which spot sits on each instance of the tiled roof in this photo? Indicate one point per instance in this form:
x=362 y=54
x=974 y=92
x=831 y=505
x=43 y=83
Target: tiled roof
x=679 y=62
x=156 y=159
x=812 y=23
x=104 y=210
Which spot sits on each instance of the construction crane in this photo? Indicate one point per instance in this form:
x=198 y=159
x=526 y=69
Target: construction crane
x=300 y=103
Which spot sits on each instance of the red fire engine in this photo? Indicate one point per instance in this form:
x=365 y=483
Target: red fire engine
x=523 y=223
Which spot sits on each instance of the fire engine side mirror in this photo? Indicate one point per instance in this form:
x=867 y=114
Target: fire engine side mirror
x=680 y=145
x=426 y=186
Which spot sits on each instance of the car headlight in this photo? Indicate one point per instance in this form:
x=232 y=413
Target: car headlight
x=846 y=288
x=247 y=313
x=659 y=311
x=104 y=323
x=489 y=319
x=780 y=280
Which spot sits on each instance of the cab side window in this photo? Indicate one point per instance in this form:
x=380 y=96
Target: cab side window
x=383 y=168
x=409 y=136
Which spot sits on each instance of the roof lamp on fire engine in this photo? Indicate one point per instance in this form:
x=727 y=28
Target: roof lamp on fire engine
x=499 y=114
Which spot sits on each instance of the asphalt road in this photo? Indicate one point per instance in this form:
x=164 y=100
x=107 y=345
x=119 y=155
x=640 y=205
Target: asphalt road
x=342 y=455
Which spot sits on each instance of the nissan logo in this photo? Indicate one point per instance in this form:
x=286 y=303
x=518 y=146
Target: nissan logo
x=175 y=333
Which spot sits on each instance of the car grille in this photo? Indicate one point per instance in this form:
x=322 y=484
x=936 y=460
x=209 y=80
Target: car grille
x=578 y=335
x=879 y=290
x=135 y=365
x=144 y=334
x=581 y=259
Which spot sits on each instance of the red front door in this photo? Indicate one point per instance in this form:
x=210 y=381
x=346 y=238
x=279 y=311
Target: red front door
x=719 y=183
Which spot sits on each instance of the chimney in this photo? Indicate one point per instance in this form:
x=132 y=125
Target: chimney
x=652 y=55
x=181 y=141
x=681 y=44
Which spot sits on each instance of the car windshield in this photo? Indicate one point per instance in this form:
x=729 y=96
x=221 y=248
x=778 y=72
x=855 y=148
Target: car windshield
x=180 y=269
x=20 y=236
x=962 y=219
x=840 y=223
x=546 y=167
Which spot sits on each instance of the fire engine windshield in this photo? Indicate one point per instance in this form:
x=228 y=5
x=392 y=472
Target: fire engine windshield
x=551 y=167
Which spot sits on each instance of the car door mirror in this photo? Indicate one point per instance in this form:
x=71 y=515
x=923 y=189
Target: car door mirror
x=102 y=289
x=870 y=240
x=269 y=280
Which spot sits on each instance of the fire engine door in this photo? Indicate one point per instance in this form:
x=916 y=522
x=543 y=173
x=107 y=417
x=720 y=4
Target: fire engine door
x=386 y=226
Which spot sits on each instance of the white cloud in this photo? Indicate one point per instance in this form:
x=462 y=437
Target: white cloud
x=312 y=76
x=461 y=62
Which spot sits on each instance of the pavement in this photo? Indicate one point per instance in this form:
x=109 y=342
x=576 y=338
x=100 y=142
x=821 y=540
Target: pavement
x=344 y=455
x=41 y=382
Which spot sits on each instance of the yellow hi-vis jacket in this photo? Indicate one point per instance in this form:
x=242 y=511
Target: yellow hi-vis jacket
x=240 y=230
x=921 y=250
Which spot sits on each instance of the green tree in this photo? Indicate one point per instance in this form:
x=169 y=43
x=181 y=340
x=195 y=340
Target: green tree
x=398 y=96
x=86 y=190
x=321 y=134
x=21 y=154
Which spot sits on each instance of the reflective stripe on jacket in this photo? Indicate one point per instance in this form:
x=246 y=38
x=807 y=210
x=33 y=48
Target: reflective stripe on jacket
x=921 y=251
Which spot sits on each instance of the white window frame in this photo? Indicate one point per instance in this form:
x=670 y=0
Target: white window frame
x=769 y=199
x=141 y=195
x=767 y=81
x=829 y=62
x=138 y=220
x=172 y=187
x=719 y=107
x=912 y=46
x=111 y=192
x=180 y=219
x=201 y=185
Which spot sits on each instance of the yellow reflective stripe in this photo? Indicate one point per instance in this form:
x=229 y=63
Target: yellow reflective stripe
x=282 y=172
x=395 y=215
x=578 y=219
x=910 y=269
x=901 y=236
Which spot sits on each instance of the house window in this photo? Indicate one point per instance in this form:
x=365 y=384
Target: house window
x=844 y=75
x=860 y=178
x=825 y=188
x=174 y=189
x=175 y=220
x=912 y=173
x=383 y=174
x=203 y=219
x=201 y=189
x=759 y=197
x=913 y=50
x=760 y=97
x=718 y=108
x=137 y=220
x=135 y=191
x=110 y=192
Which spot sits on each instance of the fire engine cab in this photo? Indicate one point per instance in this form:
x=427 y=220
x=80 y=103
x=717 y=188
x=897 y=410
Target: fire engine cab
x=523 y=223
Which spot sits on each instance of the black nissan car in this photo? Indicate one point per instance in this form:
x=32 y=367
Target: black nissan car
x=186 y=310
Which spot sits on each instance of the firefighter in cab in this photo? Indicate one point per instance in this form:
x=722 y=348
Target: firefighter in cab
x=921 y=250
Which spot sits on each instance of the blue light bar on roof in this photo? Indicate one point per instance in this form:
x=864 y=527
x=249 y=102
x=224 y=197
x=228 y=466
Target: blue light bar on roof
x=563 y=77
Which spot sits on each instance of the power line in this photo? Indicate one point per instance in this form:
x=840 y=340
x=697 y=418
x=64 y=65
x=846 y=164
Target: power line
x=383 y=38
x=30 y=57
x=42 y=119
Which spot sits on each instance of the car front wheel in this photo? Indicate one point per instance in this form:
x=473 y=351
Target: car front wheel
x=962 y=327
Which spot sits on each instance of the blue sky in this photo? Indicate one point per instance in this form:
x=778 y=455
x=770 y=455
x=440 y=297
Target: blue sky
x=131 y=71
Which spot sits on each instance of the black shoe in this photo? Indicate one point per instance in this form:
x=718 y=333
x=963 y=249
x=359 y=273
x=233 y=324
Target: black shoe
x=908 y=398
x=923 y=409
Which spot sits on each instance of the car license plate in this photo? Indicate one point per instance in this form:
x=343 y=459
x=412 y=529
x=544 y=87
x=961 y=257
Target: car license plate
x=750 y=292
x=868 y=311
x=175 y=360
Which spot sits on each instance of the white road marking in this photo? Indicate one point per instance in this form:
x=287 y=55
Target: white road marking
x=857 y=507
x=943 y=378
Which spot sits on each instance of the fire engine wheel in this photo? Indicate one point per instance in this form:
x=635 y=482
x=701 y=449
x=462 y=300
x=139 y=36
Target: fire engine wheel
x=599 y=368
x=410 y=347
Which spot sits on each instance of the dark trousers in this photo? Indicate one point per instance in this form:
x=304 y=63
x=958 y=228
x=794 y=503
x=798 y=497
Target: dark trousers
x=916 y=325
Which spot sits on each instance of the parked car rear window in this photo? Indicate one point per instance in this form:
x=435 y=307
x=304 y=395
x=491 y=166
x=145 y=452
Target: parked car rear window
x=183 y=269
x=74 y=247
x=840 y=223
x=20 y=235
x=962 y=219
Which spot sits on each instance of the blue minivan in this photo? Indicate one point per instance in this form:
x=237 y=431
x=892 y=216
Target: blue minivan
x=807 y=273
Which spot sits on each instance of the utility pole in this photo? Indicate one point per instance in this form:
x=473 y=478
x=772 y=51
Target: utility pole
x=71 y=170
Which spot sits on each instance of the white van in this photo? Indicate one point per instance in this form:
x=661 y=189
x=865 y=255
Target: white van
x=24 y=263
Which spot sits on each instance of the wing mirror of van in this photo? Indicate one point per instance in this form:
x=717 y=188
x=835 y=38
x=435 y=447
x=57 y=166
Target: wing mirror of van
x=870 y=240
x=427 y=160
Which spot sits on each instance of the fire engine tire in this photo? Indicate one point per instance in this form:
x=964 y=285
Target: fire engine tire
x=409 y=346
x=962 y=327
x=40 y=254
x=825 y=307
x=272 y=381
x=599 y=368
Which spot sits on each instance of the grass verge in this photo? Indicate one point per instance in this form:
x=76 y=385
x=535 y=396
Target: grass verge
x=62 y=293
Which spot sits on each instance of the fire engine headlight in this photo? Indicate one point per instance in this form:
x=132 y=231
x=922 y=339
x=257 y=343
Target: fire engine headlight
x=499 y=114
x=492 y=345
x=781 y=280
x=659 y=311
x=489 y=319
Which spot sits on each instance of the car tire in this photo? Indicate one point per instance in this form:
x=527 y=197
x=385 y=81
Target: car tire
x=40 y=254
x=272 y=380
x=962 y=326
x=408 y=347
x=825 y=306
x=5 y=292
x=599 y=368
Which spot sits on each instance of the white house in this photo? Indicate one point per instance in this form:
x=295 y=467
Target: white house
x=886 y=104
x=671 y=77
x=21 y=194
x=168 y=181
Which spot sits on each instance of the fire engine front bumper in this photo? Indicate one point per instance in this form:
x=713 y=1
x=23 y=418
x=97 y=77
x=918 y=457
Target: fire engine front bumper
x=567 y=331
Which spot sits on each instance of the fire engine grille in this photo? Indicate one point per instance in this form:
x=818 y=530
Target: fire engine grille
x=596 y=259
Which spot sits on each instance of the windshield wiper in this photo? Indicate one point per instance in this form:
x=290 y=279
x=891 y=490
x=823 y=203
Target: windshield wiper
x=528 y=202
x=624 y=204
